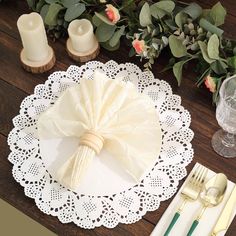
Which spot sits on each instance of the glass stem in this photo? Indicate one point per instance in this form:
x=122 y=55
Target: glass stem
x=228 y=140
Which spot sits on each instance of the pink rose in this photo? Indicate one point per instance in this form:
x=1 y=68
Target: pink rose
x=112 y=13
x=210 y=83
x=139 y=46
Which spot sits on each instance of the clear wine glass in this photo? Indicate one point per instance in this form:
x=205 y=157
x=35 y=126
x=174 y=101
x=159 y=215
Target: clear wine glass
x=224 y=140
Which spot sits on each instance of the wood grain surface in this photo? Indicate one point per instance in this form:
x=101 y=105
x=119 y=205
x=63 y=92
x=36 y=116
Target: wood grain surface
x=15 y=84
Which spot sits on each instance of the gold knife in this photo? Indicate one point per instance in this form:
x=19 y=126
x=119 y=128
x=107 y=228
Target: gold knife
x=224 y=218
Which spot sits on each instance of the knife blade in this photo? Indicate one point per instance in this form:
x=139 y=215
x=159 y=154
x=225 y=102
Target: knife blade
x=224 y=218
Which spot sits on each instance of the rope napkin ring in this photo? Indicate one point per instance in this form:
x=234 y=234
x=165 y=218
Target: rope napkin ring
x=93 y=140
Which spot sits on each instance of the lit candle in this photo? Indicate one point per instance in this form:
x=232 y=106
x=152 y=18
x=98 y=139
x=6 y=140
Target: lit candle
x=33 y=36
x=81 y=35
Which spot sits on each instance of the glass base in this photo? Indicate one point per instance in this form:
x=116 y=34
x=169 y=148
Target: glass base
x=221 y=147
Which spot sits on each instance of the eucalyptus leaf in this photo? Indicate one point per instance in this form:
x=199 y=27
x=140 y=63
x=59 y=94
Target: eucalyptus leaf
x=219 y=67
x=145 y=15
x=104 y=32
x=51 y=17
x=177 y=70
x=44 y=11
x=96 y=21
x=51 y=1
x=107 y=46
x=216 y=93
x=31 y=3
x=176 y=46
x=206 y=13
x=171 y=24
x=193 y=10
x=205 y=55
x=103 y=18
x=234 y=51
x=232 y=62
x=205 y=24
x=132 y=52
x=40 y=5
x=128 y=3
x=74 y=11
x=217 y=14
x=69 y=3
x=116 y=36
x=213 y=47
x=201 y=78
x=180 y=19
x=160 y=9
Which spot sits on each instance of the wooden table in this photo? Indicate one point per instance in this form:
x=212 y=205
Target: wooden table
x=16 y=84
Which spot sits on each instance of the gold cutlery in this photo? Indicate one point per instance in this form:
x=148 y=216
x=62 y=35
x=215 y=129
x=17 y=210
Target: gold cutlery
x=224 y=218
x=190 y=192
x=212 y=195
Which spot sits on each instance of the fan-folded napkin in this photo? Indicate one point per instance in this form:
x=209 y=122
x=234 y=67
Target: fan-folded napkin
x=104 y=113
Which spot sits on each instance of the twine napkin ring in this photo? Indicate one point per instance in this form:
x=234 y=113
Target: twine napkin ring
x=93 y=140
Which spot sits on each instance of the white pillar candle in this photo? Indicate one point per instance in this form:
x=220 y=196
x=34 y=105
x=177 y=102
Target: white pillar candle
x=81 y=35
x=33 y=36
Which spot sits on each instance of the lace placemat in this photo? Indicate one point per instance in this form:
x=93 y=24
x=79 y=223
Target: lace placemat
x=89 y=211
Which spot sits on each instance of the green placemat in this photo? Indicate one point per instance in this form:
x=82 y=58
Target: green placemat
x=14 y=222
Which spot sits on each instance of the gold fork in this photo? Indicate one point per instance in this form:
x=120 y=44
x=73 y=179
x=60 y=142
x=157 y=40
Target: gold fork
x=190 y=192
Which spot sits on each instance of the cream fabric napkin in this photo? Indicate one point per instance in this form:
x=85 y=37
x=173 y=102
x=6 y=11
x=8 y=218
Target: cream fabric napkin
x=114 y=111
x=186 y=218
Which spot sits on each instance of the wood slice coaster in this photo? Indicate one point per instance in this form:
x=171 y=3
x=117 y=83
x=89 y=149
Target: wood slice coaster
x=82 y=57
x=38 y=66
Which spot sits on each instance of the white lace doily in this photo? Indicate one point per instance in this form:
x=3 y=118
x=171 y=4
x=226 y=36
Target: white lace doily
x=93 y=211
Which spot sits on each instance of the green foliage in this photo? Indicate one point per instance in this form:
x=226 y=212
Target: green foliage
x=193 y=10
x=190 y=32
x=51 y=1
x=162 y=8
x=107 y=46
x=44 y=11
x=69 y=3
x=217 y=14
x=177 y=47
x=52 y=14
x=114 y=40
x=31 y=3
x=145 y=15
x=96 y=21
x=213 y=47
x=231 y=61
x=203 y=48
x=219 y=67
x=205 y=24
x=74 y=11
x=104 y=32
x=39 y=5
x=180 y=19
x=177 y=70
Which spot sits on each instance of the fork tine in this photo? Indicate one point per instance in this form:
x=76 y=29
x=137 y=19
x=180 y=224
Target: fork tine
x=197 y=175
x=203 y=177
x=201 y=174
x=193 y=176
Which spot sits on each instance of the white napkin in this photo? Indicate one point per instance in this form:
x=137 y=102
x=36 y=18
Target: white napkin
x=207 y=222
x=126 y=119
